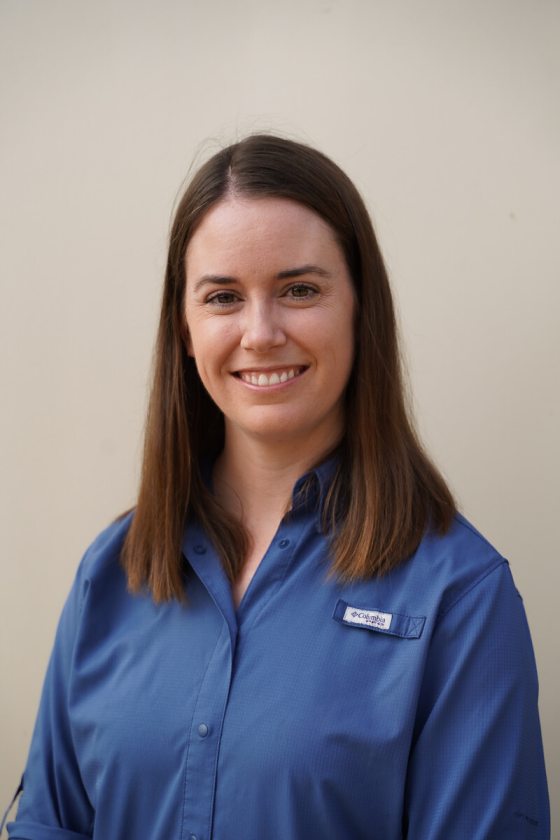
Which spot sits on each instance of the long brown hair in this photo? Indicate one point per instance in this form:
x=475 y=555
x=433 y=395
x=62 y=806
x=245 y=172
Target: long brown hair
x=385 y=493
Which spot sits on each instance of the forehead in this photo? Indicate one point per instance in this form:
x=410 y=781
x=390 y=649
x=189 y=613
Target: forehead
x=243 y=229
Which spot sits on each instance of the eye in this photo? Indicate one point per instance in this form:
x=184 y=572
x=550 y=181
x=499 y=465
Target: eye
x=222 y=298
x=300 y=291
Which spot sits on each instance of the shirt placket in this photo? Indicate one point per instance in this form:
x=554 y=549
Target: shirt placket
x=209 y=710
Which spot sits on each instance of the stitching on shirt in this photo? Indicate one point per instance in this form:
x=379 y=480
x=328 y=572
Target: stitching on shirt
x=217 y=750
x=85 y=589
x=501 y=561
x=416 y=623
x=189 y=731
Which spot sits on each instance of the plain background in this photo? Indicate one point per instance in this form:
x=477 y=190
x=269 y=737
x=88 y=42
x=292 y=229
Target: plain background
x=446 y=115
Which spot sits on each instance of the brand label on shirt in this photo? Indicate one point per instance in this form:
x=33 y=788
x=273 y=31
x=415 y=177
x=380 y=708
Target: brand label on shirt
x=371 y=618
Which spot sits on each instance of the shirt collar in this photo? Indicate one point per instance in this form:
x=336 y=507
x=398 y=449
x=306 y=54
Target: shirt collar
x=310 y=490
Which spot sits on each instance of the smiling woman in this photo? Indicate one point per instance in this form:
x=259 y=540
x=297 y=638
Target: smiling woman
x=270 y=324
x=294 y=634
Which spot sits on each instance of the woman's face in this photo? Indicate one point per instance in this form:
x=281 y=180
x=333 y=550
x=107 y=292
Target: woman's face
x=269 y=307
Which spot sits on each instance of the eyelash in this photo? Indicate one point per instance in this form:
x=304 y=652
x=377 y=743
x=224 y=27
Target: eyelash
x=217 y=298
x=309 y=289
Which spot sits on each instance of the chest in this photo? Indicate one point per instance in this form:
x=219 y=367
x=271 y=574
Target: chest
x=298 y=705
x=220 y=722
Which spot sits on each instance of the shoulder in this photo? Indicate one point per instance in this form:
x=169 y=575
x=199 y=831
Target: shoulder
x=448 y=566
x=99 y=580
x=108 y=543
x=101 y=560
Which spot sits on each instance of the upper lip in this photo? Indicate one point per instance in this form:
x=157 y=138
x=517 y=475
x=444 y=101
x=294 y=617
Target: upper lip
x=268 y=368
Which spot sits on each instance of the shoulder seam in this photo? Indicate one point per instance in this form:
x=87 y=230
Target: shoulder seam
x=499 y=562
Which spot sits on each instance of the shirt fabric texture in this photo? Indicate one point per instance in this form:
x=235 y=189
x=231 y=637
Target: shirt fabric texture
x=396 y=707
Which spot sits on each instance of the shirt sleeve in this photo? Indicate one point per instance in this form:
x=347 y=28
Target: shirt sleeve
x=477 y=768
x=54 y=804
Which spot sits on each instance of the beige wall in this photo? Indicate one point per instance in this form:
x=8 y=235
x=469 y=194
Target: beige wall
x=446 y=115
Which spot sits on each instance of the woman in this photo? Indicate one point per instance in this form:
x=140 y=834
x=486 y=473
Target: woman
x=294 y=635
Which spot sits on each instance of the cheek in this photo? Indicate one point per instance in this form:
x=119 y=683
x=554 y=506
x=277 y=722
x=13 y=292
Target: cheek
x=210 y=341
x=193 y=331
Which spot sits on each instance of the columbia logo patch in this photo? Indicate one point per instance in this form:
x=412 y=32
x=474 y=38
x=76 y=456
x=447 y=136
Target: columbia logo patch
x=368 y=618
x=392 y=623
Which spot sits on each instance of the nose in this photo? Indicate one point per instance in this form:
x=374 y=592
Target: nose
x=261 y=329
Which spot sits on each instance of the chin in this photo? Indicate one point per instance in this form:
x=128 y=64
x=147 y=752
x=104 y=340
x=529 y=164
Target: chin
x=274 y=426
x=289 y=429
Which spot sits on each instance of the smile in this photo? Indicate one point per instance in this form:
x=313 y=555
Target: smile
x=275 y=377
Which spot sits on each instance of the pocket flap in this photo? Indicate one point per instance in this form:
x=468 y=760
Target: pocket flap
x=381 y=621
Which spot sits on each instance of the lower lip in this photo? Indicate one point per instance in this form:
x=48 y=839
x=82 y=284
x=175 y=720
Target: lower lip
x=268 y=388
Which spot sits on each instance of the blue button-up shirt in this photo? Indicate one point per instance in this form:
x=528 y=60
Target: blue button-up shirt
x=404 y=706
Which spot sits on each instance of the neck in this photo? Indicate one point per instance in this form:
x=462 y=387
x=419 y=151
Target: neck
x=254 y=480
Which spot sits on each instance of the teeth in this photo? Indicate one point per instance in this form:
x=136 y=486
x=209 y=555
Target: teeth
x=263 y=379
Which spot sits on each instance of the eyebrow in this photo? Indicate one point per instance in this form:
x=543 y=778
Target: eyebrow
x=224 y=279
x=303 y=269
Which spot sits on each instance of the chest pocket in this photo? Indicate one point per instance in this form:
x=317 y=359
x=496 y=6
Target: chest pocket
x=379 y=621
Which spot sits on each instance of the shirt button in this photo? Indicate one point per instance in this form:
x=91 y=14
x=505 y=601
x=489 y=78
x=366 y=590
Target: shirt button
x=200 y=549
x=193 y=837
x=203 y=730
x=284 y=543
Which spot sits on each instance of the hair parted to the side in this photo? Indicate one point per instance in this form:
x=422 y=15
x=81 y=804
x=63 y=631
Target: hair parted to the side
x=385 y=493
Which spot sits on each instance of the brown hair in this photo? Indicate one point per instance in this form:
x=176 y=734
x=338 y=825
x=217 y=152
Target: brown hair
x=385 y=493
